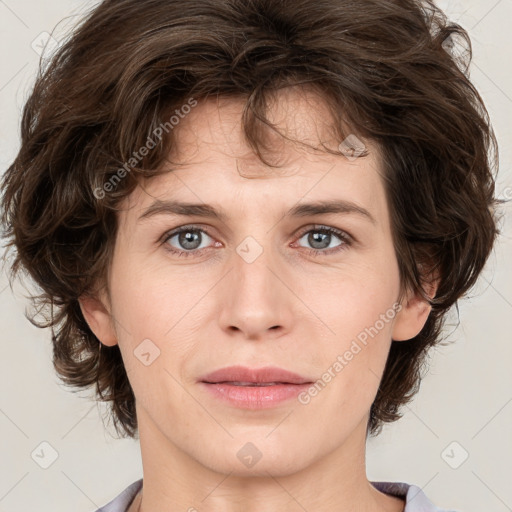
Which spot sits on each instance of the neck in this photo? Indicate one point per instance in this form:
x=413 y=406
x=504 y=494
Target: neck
x=174 y=480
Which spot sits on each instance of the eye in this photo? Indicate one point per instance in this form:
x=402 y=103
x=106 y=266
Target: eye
x=188 y=239
x=321 y=238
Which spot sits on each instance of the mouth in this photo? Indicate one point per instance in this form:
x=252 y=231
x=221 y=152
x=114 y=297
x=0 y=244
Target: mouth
x=247 y=388
x=253 y=384
x=244 y=376
x=255 y=396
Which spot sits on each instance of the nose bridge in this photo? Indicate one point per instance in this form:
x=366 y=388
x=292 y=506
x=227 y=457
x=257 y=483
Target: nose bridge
x=255 y=297
x=251 y=265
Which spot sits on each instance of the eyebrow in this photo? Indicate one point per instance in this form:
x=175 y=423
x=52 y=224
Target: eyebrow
x=301 y=210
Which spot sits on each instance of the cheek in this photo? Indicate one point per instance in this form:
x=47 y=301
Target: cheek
x=352 y=367
x=359 y=308
x=354 y=300
x=150 y=300
x=158 y=321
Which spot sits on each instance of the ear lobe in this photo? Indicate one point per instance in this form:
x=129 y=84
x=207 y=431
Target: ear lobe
x=99 y=319
x=411 y=319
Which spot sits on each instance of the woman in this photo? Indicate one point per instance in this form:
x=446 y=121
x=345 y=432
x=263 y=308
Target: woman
x=252 y=218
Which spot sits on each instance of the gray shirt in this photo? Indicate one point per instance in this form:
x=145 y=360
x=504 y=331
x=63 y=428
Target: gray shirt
x=415 y=499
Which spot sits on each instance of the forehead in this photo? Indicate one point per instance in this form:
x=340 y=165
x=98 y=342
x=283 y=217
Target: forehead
x=296 y=118
x=211 y=160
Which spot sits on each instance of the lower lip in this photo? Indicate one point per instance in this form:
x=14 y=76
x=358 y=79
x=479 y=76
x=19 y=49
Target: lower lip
x=255 y=397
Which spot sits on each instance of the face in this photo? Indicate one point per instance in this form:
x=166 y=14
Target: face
x=269 y=283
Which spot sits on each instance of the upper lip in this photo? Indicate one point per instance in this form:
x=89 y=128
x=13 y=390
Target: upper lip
x=257 y=375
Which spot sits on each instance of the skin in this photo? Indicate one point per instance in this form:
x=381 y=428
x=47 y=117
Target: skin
x=288 y=308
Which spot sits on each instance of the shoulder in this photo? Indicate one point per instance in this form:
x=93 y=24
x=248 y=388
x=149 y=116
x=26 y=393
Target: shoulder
x=415 y=498
x=121 y=502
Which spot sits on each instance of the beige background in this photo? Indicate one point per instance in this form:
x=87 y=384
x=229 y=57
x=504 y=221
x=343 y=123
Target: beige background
x=466 y=398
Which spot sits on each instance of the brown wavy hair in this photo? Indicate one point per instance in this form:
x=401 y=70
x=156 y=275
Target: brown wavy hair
x=389 y=71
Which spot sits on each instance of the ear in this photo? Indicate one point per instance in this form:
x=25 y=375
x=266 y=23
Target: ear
x=97 y=315
x=413 y=315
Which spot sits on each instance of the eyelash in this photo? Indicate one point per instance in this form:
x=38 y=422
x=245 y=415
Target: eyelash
x=344 y=237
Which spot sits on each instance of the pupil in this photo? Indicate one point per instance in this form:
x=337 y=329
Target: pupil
x=315 y=238
x=188 y=240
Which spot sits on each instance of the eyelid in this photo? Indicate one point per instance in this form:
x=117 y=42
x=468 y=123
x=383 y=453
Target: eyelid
x=344 y=235
x=196 y=227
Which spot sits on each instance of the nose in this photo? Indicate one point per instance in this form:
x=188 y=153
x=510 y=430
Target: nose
x=256 y=300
